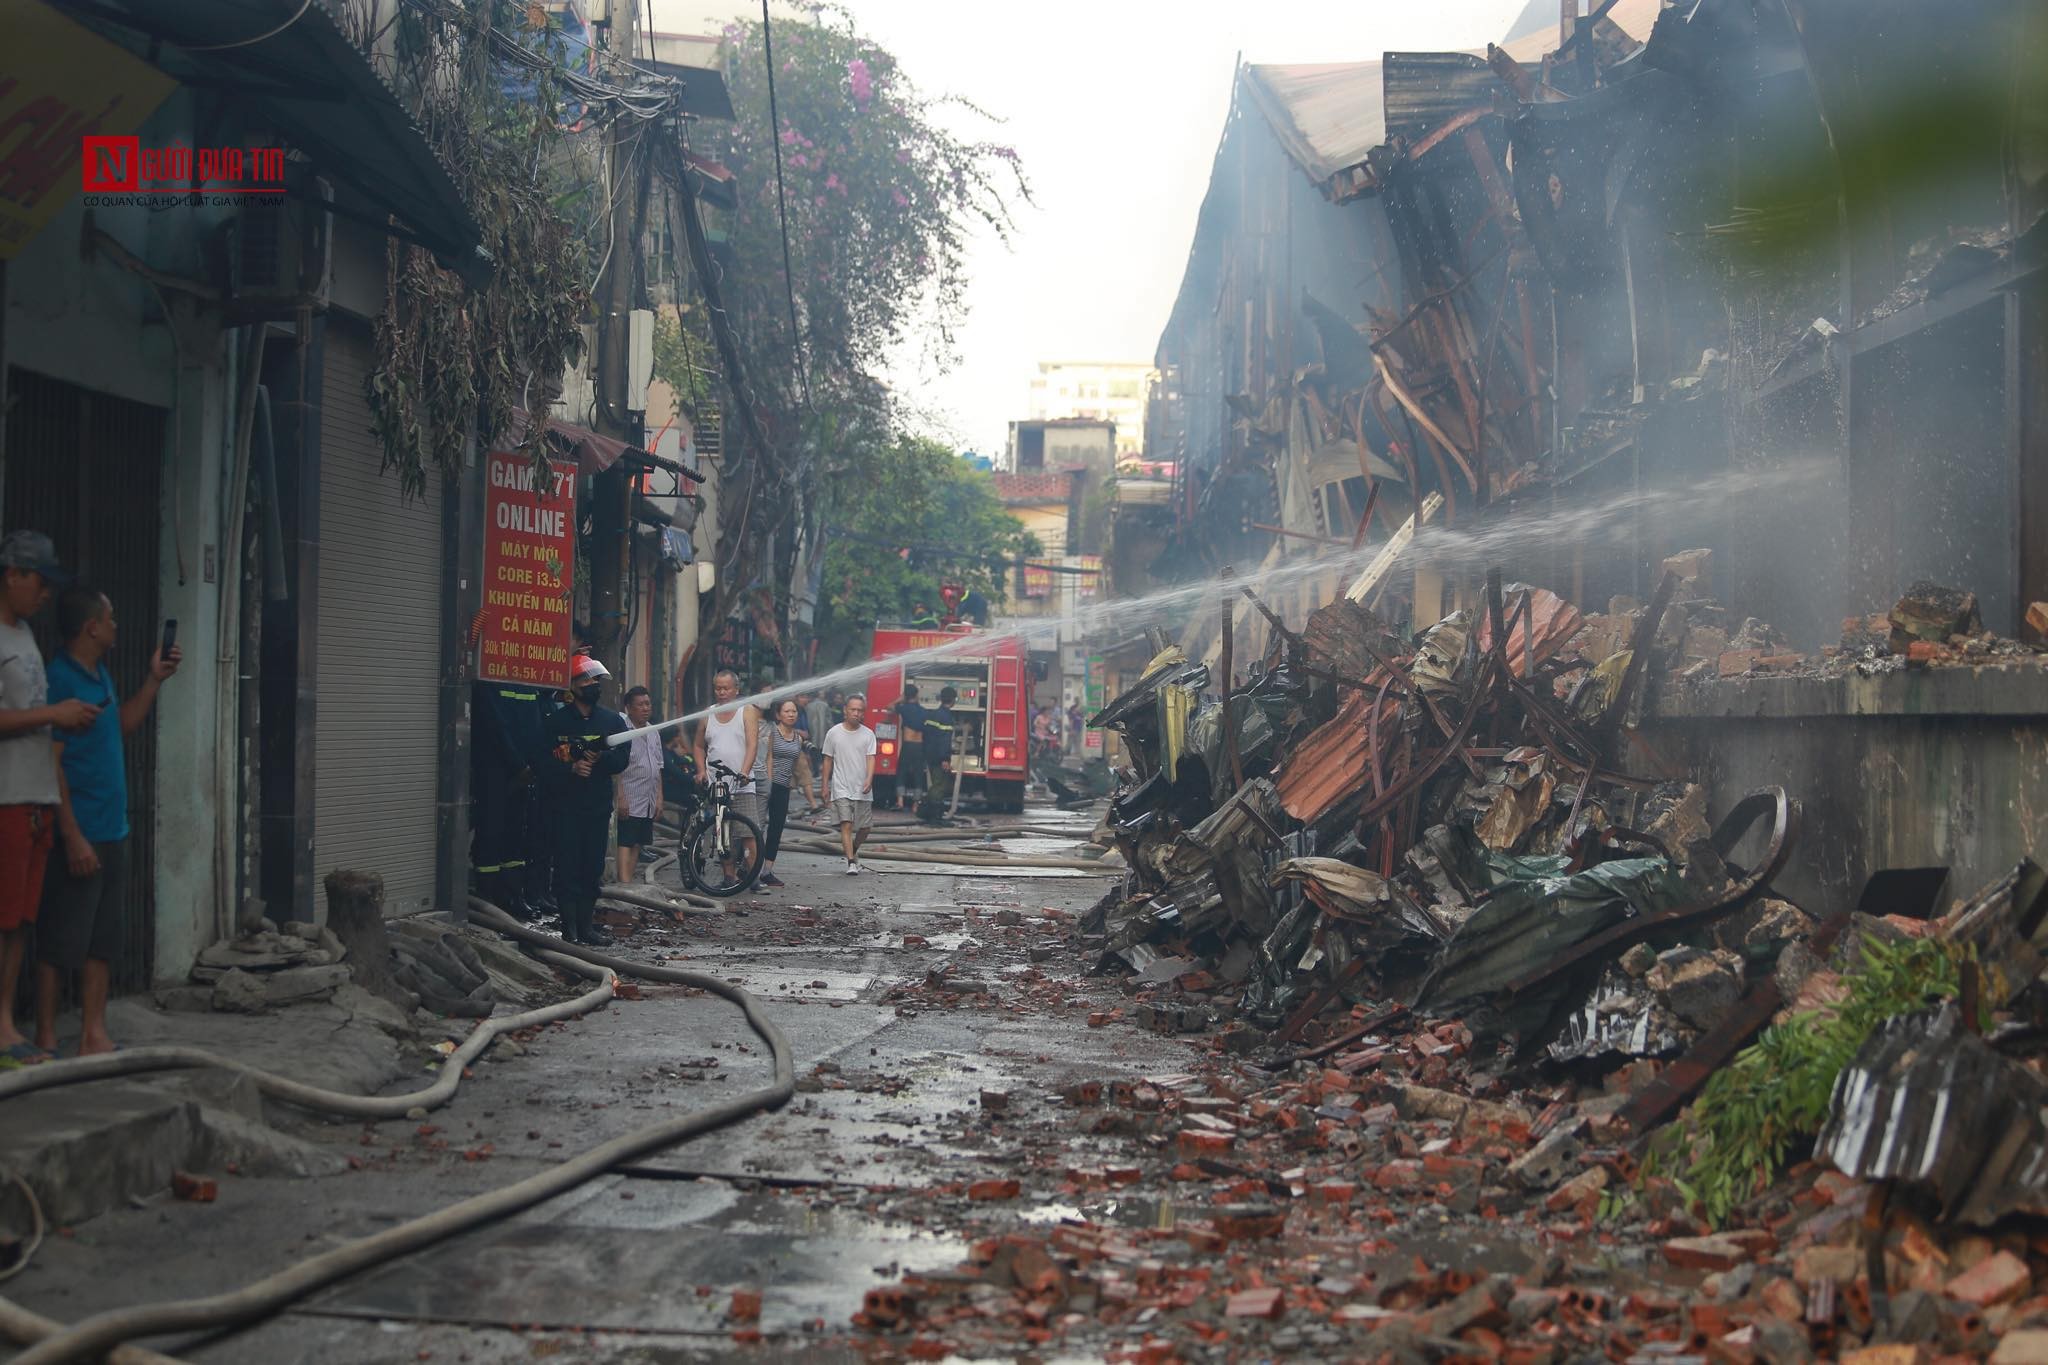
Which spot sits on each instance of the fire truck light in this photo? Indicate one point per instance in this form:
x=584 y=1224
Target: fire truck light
x=888 y=747
x=999 y=752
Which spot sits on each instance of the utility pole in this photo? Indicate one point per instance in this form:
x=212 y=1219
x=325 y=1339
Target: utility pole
x=612 y=492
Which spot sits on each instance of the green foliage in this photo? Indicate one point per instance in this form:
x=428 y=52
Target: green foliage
x=882 y=201
x=450 y=359
x=1776 y=1092
x=910 y=495
x=685 y=360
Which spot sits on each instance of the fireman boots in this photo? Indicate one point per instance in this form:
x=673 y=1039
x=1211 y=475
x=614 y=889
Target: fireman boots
x=505 y=891
x=579 y=924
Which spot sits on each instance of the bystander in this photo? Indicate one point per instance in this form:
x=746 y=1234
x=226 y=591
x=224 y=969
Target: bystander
x=850 y=780
x=79 y=928
x=28 y=765
x=639 y=795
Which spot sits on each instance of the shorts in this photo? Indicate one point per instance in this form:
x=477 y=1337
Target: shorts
x=82 y=915
x=752 y=806
x=855 y=813
x=26 y=836
x=636 y=831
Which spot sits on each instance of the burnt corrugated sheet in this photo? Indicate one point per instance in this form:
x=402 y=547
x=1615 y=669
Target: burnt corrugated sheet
x=1422 y=91
x=1927 y=1102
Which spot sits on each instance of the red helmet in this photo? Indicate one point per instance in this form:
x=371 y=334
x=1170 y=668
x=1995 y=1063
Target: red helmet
x=586 y=667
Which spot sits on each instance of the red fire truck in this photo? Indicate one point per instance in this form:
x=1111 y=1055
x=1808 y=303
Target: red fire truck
x=992 y=677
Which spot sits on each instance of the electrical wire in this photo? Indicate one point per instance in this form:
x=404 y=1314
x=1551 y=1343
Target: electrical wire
x=297 y=15
x=796 y=349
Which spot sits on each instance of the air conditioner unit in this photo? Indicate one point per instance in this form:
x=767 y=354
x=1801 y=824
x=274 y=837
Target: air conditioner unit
x=283 y=257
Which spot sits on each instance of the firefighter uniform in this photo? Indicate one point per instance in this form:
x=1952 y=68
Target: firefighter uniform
x=580 y=808
x=508 y=741
x=939 y=727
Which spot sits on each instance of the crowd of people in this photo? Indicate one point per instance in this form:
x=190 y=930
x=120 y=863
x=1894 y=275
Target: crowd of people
x=548 y=785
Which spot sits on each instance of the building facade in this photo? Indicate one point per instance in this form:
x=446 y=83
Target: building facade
x=1111 y=391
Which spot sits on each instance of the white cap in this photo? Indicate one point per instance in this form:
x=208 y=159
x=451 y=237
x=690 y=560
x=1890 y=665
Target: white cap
x=587 y=666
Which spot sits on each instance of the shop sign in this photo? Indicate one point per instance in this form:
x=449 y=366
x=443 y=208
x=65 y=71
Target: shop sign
x=529 y=568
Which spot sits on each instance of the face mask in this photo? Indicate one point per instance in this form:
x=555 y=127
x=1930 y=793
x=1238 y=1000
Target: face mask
x=588 y=694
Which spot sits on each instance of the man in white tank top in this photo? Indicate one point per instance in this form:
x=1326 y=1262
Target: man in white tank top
x=730 y=735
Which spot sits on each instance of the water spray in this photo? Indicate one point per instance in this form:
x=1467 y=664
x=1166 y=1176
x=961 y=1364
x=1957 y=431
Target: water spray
x=1486 y=544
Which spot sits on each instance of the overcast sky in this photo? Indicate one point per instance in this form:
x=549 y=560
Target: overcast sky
x=1115 y=107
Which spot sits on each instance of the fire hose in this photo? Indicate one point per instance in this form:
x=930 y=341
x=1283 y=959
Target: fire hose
x=95 y=1336
x=884 y=853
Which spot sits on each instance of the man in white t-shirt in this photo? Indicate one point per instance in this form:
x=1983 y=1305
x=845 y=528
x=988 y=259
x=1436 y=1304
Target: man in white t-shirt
x=29 y=794
x=850 y=779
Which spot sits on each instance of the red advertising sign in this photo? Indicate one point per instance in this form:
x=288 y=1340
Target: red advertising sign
x=529 y=567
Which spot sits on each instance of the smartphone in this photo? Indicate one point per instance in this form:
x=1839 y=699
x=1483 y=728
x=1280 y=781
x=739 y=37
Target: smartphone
x=170 y=637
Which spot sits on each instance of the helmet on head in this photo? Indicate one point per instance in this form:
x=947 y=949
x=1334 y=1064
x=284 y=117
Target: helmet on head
x=586 y=668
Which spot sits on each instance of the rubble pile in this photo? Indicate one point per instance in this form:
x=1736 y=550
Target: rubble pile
x=1460 y=972
x=1401 y=1194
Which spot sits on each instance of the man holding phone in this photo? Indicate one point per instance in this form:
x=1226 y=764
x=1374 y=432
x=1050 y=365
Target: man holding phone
x=29 y=795
x=79 y=929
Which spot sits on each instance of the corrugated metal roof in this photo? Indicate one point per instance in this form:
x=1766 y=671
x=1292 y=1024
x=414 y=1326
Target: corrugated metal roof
x=1634 y=17
x=1327 y=114
x=1425 y=90
x=1332 y=762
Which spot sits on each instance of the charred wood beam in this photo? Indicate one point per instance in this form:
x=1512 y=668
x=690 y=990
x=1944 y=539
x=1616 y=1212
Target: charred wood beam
x=1639 y=657
x=1413 y=406
x=1407 y=319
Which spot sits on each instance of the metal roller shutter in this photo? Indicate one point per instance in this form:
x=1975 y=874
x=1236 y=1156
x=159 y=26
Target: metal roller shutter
x=86 y=469
x=379 y=648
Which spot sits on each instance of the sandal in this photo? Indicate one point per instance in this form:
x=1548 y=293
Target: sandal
x=25 y=1053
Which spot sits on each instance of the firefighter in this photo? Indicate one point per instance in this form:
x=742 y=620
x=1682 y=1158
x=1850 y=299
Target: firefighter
x=940 y=725
x=580 y=768
x=509 y=740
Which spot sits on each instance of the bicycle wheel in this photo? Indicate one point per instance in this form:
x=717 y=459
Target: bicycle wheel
x=723 y=857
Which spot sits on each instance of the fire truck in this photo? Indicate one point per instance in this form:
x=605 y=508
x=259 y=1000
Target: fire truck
x=991 y=675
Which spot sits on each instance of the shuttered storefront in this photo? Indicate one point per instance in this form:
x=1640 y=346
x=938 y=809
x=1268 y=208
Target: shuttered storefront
x=86 y=468
x=377 y=719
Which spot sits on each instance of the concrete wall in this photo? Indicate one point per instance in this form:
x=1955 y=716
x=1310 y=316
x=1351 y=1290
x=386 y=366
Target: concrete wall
x=1916 y=768
x=93 y=324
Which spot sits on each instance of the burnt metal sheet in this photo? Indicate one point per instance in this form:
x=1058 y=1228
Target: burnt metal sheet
x=1425 y=90
x=1326 y=114
x=1325 y=767
x=1928 y=1102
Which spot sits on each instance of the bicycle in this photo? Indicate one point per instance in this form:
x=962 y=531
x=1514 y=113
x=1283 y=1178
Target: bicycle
x=715 y=837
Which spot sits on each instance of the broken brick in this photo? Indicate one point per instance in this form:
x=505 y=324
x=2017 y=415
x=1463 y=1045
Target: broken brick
x=194 y=1188
x=1998 y=1279
x=746 y=1305
x=2028 y=1347
x=1196 y=1143
x=1581 y=1190
x=1254 y=1303
x=1251 y=1223
x=1826 y=1263
x=1705 y=1253
x=994 y=1189
x=1784 y=1301
x=996 y=1101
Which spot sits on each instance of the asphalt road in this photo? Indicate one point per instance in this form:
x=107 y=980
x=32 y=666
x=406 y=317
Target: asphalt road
x=854 y=1184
